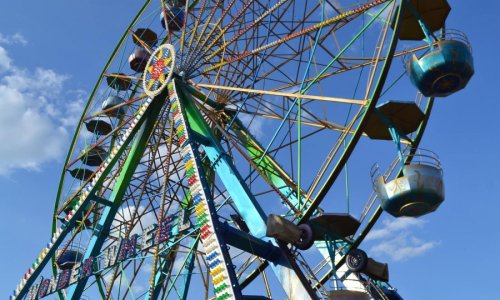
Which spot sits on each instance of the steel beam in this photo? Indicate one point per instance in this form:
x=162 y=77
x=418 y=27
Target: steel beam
x=286 y=269
x=142 y=138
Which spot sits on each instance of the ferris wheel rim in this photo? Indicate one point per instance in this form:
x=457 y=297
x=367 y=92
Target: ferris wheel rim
x=366 y=114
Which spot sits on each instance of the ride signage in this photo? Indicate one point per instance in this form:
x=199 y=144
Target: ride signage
x=125 y=249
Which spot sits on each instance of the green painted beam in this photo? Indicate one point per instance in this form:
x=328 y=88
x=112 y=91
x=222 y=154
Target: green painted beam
x=147 y=125
x=287 y=271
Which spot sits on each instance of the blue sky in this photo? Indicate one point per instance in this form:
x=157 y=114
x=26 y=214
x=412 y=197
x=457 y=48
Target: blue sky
x=52 y=52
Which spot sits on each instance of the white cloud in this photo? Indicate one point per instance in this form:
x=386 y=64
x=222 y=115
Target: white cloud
x=35 y=115
x=138 y=288
x=74 y=109
x=127 y=214
x=29 y=137
x=43 y=82
x=255 y=125
x=394 y=226
x=179 y=262
x=5 y=60
x=121 y=282
x=16 y=38
x=147 y=268
x=403 y=247
x=397 y=241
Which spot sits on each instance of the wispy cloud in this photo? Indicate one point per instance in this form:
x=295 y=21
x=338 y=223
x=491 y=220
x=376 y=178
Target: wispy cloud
x=16 y=38
x=397 y=241
x=394 y=226
x=254 y=124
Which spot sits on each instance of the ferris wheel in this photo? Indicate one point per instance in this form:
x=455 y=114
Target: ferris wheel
x=227 y=151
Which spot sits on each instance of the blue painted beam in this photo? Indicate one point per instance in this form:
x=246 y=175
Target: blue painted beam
x=293 y=281
x=189 y=269
x=101 y=200
x=165 y=265
x=249 y=243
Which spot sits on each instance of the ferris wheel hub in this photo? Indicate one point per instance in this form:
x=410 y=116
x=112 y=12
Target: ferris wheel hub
x=159 y=70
